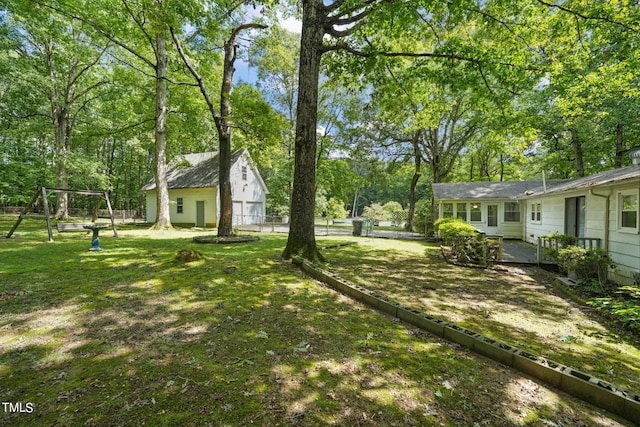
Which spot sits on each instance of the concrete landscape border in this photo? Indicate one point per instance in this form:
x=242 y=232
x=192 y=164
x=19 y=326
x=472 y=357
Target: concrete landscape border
x=572 y=381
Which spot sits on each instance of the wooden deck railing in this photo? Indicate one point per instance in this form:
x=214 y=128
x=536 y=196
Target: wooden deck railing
x=549 y=245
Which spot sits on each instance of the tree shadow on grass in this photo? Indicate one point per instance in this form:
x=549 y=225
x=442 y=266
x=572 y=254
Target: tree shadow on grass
x=516 y=305
x=130 y=336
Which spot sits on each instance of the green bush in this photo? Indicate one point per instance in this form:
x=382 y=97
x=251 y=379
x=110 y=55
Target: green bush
x=626 y=312
x=448 y=228
x=375 y=212
x=475 y=250
x=422 y=222
x=335 y=209
x=590 y=266
x=562 y=241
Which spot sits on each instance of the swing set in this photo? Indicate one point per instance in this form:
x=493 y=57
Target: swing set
x=43 y=193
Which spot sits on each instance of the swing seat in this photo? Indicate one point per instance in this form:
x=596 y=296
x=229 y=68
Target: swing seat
x=64 y=227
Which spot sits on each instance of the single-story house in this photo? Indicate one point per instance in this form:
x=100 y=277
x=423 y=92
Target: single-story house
x=193 y=190
x=604 y=206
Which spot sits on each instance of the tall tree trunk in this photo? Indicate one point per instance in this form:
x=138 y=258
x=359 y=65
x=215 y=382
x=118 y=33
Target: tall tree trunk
x=302 y=239
x=225 y=223
x=354 y=210
x=619 y=145
x=577 y=151
x=417 y=158
x=163 y=218
x=61 y=147
x=59 y=116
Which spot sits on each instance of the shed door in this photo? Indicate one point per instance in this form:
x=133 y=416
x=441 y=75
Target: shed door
x=200 y=213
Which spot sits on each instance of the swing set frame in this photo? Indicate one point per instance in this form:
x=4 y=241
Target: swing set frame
x=43 y=193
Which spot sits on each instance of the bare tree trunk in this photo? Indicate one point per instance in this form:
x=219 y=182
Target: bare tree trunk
x=619 y=145
x=354 y=210
x=301 y=239
x=223 y=126
x=59 y=116
x=163 y=218
x=417 y=158
x=61 y=150
x=577 y=150
x=225 y=222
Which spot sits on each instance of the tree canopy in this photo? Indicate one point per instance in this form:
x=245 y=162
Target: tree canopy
x=370 y=104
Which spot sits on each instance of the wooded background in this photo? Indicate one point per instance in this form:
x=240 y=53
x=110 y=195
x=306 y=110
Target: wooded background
x=410 y=93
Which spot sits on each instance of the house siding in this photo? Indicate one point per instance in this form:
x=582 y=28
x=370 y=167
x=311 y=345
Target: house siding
x=602 y=199
x=623 y=246
x=551 y=218
x=506 y=229
x=249 y=195
x=189 y=198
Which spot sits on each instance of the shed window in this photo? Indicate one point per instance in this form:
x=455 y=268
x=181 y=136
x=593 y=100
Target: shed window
x=461 y=211
x=536 y=212
x=512 y=212
x=180 y=205
x=244 y=173
x=476 y=212
x=629 y=210
x=447 y=210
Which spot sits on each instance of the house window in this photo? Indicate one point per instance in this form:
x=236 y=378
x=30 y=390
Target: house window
x=511 y=212
x=461 y=211
x=476 y=212
x=244 y=173
x=629 y=210
x=180 y=204
x=447 y=210
x=536 y=212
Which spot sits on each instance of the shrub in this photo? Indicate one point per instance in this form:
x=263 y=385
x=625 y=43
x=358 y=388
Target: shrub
x=475 y=250
x=563 y=241
x=448 y=228
x=395 y=212
x=375 y=212
x=588 y=265
x=422 y=217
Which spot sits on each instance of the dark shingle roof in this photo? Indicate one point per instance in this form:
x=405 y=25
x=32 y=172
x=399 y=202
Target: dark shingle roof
x=520 y=189
x=483 y=190
x=198 y=170
x=602 y=178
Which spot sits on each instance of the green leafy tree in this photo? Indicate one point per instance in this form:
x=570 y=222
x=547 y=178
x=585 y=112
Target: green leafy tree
x=221 y=117
x=61 y=62
x=335 y=209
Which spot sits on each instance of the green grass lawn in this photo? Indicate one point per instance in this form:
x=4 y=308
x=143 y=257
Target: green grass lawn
x=516 y=305
x=131 y=336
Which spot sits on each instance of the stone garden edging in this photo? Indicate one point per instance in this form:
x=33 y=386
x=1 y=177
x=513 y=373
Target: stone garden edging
x=579 y=384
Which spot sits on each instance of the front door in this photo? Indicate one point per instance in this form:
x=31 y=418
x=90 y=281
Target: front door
x=200 y=214
x=492 y=215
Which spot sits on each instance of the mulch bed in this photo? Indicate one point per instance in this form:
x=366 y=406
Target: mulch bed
x=223 y=240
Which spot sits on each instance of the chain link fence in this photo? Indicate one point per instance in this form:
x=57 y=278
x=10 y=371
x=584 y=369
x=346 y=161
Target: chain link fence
x=325 y=227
